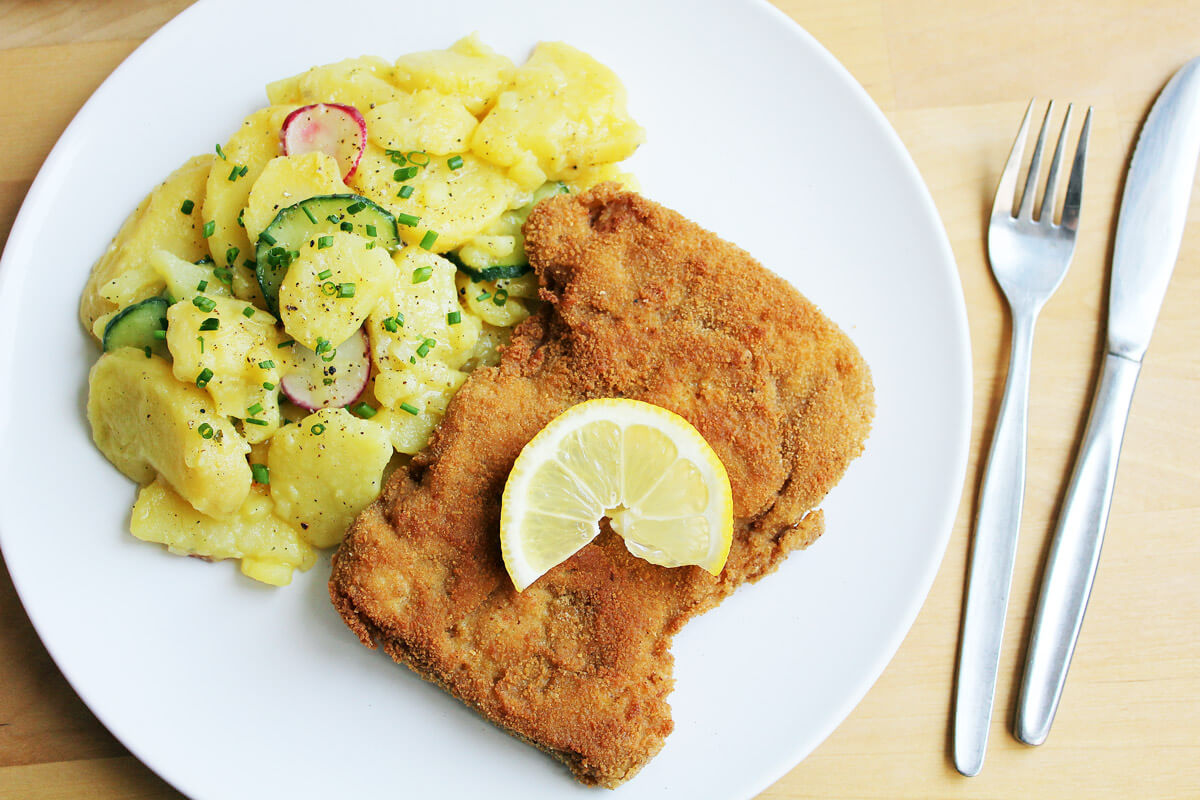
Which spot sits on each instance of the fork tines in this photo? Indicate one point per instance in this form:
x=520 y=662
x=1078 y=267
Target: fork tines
x=1008 y=180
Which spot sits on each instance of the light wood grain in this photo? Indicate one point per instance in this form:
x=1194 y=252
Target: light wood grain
x=953 y=78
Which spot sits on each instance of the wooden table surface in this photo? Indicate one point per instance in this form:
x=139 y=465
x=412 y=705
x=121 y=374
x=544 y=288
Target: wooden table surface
x=954 y=78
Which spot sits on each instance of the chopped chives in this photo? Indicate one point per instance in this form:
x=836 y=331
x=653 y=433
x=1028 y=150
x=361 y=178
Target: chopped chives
x=260 y=472
x=501 y=297
x=455 y=162
x=411 y=220
x=242 y=170
x=201 y=286
x=270 y=387
x=405 y=192
x=223 y=275
x=329 y=288
x=428 y=239
x=333 y=218
x=372 y=230
x=147 y=351
x=454 y=317
x=210 y=228
x=324 y=241
x=204 y=377
x=364 y=410
x=254 y=409
x=370 y=246
x=311 y=216
x=205 y=430
x=231 y=254
x=345 y=290
x=234 y=174
x=268 y=364
x=240 y=222
x=323 y=344
x=248 y=312
x=325 y=274
x=421 y=160
x=204 y=260
x=422 y=274
x=254 y=421
x=205 y=304
x=355 y=207
x=348 y=227
x=210 y=324
x=266 y=237
x=425 y=347
x=160 y=335
x=404 y=174
x=396 y=156
x=483 y=296
x=391 y=325
x=200 y=339
x=400 y=318
x=317 y=429
x=187 y=207
x=288 y=343
x=411 y=409
x=221 y=152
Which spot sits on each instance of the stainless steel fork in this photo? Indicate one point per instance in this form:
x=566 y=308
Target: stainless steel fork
x=1029 y=258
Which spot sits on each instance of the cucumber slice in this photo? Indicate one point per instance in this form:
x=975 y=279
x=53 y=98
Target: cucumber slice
x=316 y=216
x=493 y=273
x=136 y=325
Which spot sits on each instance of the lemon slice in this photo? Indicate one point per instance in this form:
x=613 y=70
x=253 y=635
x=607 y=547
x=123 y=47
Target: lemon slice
x=648 y=470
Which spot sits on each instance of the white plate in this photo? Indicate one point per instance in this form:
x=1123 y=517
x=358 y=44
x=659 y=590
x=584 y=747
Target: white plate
x=230 y=689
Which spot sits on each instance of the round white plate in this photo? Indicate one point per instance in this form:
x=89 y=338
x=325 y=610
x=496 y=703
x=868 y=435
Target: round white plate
x=231 y=689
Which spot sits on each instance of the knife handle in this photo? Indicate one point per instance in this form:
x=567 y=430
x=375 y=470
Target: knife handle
x=1075 y=551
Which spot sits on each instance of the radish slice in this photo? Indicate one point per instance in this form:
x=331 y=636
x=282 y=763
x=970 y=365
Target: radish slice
x=315 y=383
x=330 y=128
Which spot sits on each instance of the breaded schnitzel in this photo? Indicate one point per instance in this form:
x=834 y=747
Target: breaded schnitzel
x=641 y=303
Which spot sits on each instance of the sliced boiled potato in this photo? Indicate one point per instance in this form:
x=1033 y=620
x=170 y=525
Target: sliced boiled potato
x=252 y=146
x=408 y=432
x=563 y=109
x=124 y=274
x=241 y=353
x=455 y=204
x=146 y=422
x=426 y=120
x=184 y=278
x=269 y=548
x=331 y=288
x=421 y=302
x=359 y=82
x=325 y=470
x=285 y=181
x=468 y=70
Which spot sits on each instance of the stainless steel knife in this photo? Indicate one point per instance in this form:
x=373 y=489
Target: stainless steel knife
x=1150 y=227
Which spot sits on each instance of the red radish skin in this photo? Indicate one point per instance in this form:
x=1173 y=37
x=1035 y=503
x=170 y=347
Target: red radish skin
x=330 y=128
x=349 y=370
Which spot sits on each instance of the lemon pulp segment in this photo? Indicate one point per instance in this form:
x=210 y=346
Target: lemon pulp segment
x=647 y=469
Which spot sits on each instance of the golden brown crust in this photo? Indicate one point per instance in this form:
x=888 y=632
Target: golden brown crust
x=641 y=303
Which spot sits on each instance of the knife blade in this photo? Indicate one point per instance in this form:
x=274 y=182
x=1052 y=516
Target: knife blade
x=1150 y=226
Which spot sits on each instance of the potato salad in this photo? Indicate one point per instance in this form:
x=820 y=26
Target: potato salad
x=285 y=319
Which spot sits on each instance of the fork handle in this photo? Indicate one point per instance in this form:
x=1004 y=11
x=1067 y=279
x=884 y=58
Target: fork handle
x=993 y=552
x=1075 y=551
